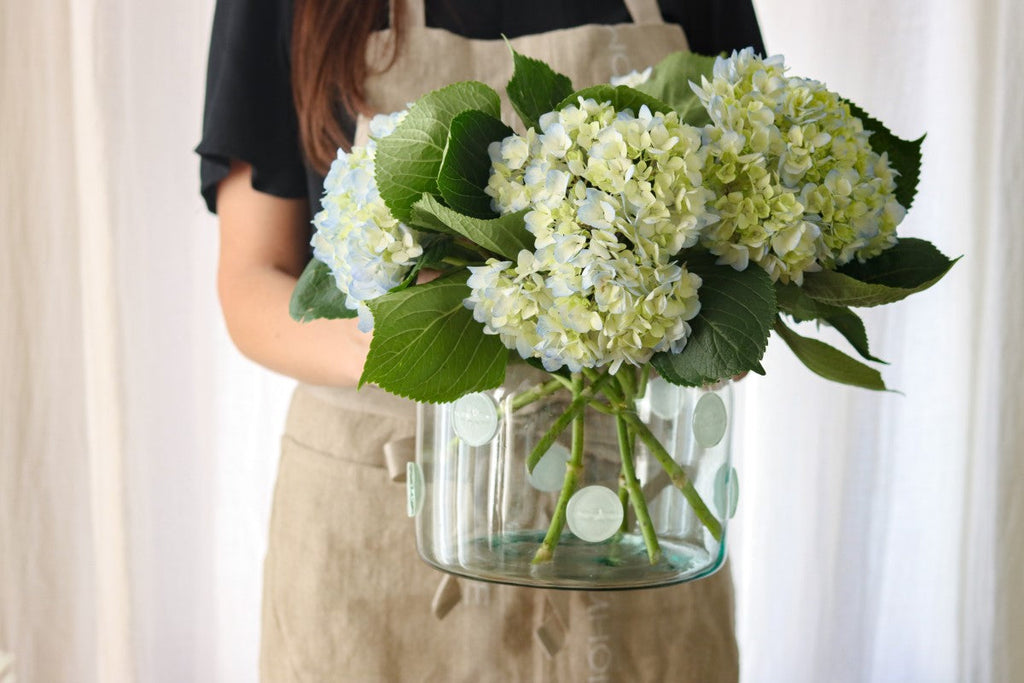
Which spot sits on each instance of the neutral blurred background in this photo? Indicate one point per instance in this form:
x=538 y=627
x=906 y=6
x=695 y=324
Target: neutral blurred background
x=879 y=537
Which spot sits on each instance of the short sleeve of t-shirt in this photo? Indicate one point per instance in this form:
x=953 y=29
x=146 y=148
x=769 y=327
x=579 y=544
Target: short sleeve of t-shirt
x=249 y=114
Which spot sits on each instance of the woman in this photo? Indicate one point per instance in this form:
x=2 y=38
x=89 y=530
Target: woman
x=345 y=597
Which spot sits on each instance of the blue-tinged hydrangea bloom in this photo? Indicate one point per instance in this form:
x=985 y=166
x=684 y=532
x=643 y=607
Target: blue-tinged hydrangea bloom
x=798 y=186
x=612 y=197
x=368 y=251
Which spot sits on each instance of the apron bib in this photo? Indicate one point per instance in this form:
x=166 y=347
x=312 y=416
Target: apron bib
x=346 y=597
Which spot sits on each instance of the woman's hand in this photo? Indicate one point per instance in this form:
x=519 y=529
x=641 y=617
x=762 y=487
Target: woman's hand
x=426 y=275
x=263 y=250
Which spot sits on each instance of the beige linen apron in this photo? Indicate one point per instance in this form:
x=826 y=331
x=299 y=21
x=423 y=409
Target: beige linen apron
x=346 y=598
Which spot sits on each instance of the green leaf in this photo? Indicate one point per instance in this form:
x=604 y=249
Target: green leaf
x=408 y=161
x=795 y=302
x=535 y=88
x=670 y=83
x=730 y=334
x=904 y=155
x=427 y=346
x=505 y=236
x=829 y=362
x=912 y=265
x=316 y=295
x=539 y=365
x=621 y=97
x=466 y=165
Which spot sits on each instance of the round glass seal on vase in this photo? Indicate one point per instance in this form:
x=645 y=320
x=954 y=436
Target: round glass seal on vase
x=504 y=488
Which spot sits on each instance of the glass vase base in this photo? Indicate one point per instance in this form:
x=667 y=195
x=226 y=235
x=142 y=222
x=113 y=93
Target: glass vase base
x=620 y=563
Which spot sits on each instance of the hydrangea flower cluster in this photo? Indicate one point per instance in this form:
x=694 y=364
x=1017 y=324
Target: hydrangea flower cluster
x=368 y=251
x=611 y=197
x=798 y=186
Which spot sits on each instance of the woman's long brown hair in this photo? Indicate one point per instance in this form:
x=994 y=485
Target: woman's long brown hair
x=329 y=39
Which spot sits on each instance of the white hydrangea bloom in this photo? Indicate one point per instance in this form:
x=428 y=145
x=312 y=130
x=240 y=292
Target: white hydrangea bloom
x=367 y=250
x=798 y=186
x=612 y=197
x=633 y=78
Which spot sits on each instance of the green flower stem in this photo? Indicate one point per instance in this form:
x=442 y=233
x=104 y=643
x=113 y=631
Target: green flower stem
x=645 y=377
x=565 y=381
x=599 y=381
x=602 y=408
x=678 y=477
x=627 y=381
x=579 y=402
x=455 y=261
x=536 y=393
x=636 y=495
x=675 y=473
x=624 y=501
x=557 y=427
x=572 y=473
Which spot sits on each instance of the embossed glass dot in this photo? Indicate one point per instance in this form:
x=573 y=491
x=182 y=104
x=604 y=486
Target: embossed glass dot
x=727 y=490
x=594 y=513
x=413 y=489
x=549 y=472
x=709 y=420
x=475 y=419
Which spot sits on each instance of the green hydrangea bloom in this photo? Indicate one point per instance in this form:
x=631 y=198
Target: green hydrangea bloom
x=798 y=187
x=612 y=196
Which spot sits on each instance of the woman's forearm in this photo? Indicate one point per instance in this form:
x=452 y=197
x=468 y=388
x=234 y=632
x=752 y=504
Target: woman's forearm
x=264 y=245
x=255 y=306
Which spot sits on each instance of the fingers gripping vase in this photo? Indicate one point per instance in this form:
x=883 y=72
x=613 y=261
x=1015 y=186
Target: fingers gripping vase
x=480 y=512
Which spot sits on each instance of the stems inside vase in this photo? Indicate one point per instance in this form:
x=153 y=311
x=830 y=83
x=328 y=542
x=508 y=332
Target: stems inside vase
x=676 y=474
x=621 y=395
x=572 y=473
x=636 y=496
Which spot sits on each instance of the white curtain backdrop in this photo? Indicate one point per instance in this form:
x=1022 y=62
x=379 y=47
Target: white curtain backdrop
x=878 y=537
x=138 y=448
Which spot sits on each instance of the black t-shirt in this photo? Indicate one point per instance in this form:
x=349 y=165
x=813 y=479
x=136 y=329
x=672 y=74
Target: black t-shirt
x=249 y=113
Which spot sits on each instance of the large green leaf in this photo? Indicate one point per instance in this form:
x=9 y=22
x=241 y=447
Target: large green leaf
x=535 y=88
x=316 y=295
x=730 y=334
x=620 y=96
x=466 y=166
x=505 y=236
x=904 y=155
x=912 y=265
x=409 y=159
x=670 y=83
x=829 y=362
x=427 y=346
x=797 y=304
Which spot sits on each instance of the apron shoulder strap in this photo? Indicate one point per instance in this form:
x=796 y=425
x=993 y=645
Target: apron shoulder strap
x=643 y=11
x=415 y=12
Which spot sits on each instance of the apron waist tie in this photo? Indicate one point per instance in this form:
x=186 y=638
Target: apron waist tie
x=397 y=455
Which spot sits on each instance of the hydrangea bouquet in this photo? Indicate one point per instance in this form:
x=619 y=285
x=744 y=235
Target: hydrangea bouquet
x=666 y=225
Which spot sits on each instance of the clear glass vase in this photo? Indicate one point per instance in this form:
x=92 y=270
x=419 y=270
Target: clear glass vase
x=481 y=513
